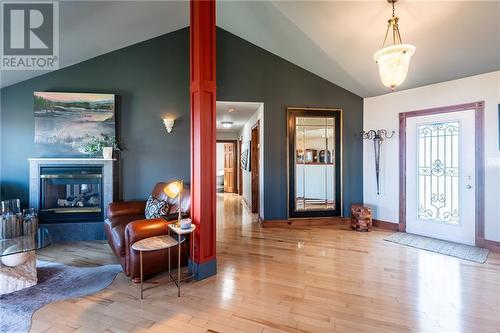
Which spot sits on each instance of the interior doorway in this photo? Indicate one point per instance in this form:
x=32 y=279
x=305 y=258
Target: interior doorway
x=241 y=171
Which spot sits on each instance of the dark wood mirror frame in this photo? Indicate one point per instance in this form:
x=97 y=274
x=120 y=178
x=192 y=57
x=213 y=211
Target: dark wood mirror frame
x=292 y=113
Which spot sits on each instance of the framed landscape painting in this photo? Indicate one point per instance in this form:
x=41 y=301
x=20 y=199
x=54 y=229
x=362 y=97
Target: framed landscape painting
x=65 y=122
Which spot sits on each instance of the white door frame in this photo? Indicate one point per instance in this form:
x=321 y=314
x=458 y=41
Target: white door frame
x=478 y=107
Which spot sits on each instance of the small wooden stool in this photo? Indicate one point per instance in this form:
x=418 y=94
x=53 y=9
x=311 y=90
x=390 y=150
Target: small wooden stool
x=361 y=218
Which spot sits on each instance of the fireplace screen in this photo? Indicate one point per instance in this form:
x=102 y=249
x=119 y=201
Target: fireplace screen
x=71 y=190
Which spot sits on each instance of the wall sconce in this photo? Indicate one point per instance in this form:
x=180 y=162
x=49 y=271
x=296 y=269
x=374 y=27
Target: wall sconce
x=169 y=124
x=378 y=136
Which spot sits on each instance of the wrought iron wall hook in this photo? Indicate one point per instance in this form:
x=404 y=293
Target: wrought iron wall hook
x=378 y=136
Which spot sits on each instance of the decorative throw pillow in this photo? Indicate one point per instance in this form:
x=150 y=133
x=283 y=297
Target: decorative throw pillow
x=155 y=208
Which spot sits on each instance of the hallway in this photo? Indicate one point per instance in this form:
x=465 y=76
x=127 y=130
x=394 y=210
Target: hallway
x=232 y=212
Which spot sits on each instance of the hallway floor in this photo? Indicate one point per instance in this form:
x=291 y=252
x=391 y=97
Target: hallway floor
x=310 y=279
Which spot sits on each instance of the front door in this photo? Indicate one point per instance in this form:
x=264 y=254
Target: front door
x=229 y=168
x=440 y=176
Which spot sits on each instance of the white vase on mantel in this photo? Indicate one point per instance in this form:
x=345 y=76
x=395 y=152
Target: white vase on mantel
x=107 y=153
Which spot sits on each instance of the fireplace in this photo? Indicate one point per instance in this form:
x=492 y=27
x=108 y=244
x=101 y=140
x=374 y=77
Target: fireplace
x=71 y=194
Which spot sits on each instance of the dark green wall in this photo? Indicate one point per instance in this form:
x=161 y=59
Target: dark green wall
x=151 y=79
x=248 y=73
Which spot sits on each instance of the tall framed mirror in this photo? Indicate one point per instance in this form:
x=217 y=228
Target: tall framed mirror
x=314 y=165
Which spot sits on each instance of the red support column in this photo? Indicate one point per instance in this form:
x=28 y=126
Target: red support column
x=203 y=136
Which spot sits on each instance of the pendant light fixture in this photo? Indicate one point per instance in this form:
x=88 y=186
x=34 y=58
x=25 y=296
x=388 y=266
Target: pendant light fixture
x=393 y=61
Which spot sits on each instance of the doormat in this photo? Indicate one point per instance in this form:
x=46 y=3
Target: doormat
x=452 y=249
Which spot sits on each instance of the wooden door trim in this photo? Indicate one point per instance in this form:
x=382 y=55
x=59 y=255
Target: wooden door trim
x=255 y=161
x=240 y=170
x=478 y=108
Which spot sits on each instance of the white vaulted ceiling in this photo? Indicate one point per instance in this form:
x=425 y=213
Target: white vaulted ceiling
x=333 y=39
x=336 y=39
x=90 y=28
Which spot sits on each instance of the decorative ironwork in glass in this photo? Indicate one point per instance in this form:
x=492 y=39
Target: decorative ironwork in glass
x=439 y=172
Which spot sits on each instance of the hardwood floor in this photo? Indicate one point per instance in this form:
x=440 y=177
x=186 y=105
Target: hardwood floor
x=310 y=279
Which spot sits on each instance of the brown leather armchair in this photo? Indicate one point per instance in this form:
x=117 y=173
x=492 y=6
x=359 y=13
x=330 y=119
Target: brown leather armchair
x=126 y=225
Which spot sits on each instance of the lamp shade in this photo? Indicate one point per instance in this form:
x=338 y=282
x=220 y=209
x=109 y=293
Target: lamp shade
x=169 y=124
x=173 y=189
x=393 y=62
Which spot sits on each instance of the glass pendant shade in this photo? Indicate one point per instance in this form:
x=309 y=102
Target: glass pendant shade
x=393 y=62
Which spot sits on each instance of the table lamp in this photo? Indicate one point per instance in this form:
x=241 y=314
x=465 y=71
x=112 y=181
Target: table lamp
x=172 y=190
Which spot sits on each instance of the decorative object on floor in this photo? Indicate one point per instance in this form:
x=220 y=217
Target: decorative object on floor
x=11 y=220
x=378 y=136
x=13 y=260
x=30 y=222
x=18 y=271
x=361 y=218
x=66 y=122
x=11 y=206
x=174 y=190
x=169 y=124
x=457 y=250
x=11 y=226
x=13 y=223
x=19 y=260
x=155 y=208
x=56 y=282
x=393 y=61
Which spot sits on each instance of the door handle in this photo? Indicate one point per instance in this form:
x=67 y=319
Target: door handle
x=468 y=187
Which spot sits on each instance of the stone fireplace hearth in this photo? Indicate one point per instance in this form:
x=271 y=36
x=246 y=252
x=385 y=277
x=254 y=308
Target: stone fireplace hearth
x=71 y=195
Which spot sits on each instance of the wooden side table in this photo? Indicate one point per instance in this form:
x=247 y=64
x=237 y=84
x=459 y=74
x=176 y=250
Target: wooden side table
x=180 y=232
x=154 y=244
